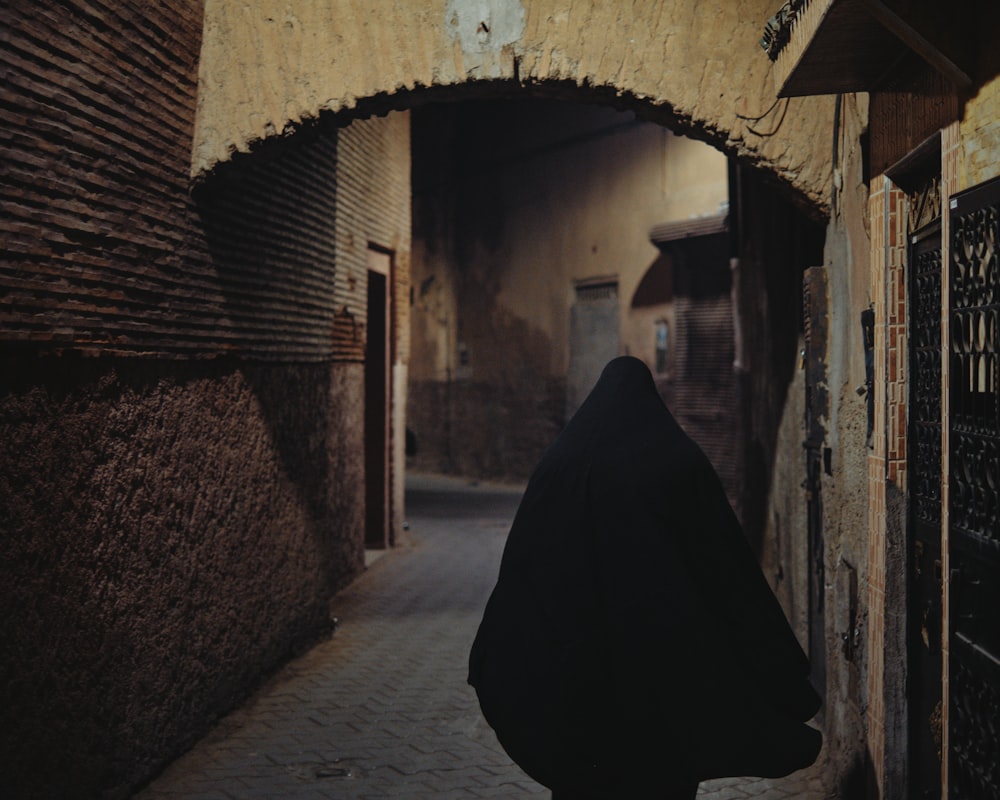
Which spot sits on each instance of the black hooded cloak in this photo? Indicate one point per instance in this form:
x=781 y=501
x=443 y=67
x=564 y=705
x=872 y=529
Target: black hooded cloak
x=631 y=640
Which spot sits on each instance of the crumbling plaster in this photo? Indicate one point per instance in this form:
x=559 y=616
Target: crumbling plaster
x=271 y=67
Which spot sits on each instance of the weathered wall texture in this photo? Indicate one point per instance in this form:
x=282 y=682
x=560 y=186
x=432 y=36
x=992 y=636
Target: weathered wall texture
x=180 y=413
x=516 y=201
x=844 y=488
x=171 y=532
x=777 y=245
x=272 y=67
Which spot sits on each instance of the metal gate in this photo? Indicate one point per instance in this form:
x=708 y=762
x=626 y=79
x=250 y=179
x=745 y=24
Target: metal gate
x=974 y=495
x=924 y=612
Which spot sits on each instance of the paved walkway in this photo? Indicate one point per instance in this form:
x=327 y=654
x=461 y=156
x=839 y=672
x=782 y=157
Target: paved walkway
x=382 y=709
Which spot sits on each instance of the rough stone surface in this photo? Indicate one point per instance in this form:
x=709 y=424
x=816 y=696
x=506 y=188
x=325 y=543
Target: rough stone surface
x=269 y=69
x=171 y=532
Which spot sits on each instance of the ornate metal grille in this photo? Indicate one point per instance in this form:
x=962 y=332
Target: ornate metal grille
x=925 y=385
x=974 y=491
x=924 y=470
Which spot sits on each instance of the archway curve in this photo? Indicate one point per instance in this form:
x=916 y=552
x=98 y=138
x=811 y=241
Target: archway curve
x=281 y=68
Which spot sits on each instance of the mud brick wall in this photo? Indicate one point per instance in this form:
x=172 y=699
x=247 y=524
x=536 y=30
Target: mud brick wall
x=171 y=532
x=180 y=402
x=104 y=247
x=479 y=429
x=98 y=111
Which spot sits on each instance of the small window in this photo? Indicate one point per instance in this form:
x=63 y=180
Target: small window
x=662 y=328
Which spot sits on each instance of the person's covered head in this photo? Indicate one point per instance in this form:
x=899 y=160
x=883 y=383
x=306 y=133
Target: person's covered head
x=625 y=384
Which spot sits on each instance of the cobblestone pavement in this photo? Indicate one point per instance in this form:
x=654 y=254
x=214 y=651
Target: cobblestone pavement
x=382 y=709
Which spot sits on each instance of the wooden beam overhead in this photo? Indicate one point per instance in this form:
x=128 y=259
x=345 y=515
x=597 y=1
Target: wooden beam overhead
x=838 y=46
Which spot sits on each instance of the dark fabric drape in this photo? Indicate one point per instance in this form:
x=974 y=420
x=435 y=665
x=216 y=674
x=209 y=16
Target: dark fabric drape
x=631 y=640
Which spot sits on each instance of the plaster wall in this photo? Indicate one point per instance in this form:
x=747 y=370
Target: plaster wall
x=776 y=377
x=695 y=183
x=523 y=200
x=845 y=486
x=273 y=67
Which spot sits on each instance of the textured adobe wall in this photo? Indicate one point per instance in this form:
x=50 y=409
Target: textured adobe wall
x=845 y=495
x=171 y=531
x=179 y=506
x=274 y=66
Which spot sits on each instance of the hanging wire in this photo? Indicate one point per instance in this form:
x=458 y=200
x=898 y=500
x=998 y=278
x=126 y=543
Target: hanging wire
x=777 y=125
x=758 y=119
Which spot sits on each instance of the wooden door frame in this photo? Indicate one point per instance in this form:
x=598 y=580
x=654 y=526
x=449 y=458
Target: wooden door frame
x=378 y=522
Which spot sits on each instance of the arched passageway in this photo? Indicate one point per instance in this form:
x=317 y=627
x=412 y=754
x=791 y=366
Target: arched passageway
x=182 y=418
x=208 y=451
x=693 y=66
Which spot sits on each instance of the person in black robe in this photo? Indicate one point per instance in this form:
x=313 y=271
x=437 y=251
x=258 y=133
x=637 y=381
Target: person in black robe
x=632 y=646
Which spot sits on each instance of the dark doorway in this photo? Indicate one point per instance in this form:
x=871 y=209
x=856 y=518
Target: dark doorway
x=594 y=337
x=377 y=361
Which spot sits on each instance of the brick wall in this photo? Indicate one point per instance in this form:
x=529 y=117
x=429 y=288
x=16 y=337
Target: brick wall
x=108 y=249
x=373 y=209
x=270 y=230
x=181 y=407
x=98 y=112
x=886 y=467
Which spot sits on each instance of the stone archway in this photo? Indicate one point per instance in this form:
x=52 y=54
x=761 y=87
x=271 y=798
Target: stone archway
x=272 y=69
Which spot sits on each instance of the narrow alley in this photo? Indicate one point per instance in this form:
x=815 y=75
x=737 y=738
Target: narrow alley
x=382 y=709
